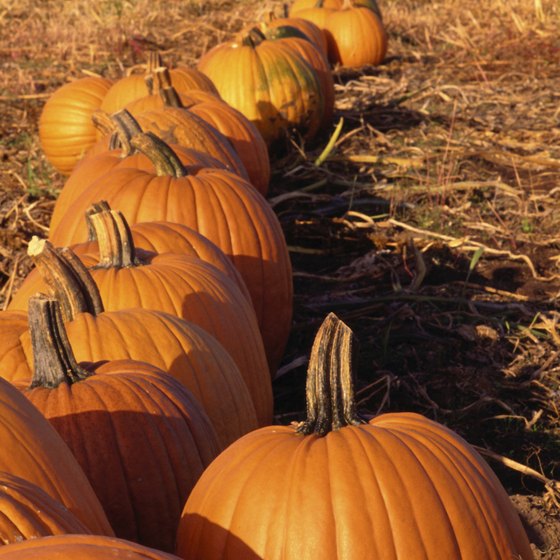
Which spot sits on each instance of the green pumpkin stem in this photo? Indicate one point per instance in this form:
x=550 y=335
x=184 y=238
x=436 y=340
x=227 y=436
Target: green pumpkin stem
x=329 y=392
x=165 y=160
x=53 y=359
x=67 y=278
x=116 y=246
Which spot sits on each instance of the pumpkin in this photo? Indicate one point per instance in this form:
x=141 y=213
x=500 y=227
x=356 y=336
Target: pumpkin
x=181 y=349
x=28 y=512
x=335 y=486
x=183 y=286
x=140 y=436
x=271 y=85
x=302 y=46
x=66 y=131
x=300 y=5
x=308 y=28
x=136 y=86
x=358 y=36
x=218 y=205
x=95 y=165
x=242 y=133
x=32 y=450
x=81 y=547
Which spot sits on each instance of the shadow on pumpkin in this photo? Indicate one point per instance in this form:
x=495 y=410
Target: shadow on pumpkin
x=217 y=542
x=143 y=496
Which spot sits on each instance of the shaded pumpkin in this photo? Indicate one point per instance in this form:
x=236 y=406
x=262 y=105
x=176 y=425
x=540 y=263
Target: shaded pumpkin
x=335 y=486
x=141 y=438
x=180 y=285
x=66 y=131
x=81 y=547
x=242 y=133
x=32 y=450
x=181 y=349
x=218 y=205
x=28 y=512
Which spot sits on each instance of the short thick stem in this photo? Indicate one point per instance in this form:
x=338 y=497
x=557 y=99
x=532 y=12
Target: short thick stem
x=67 y=277
x=54 y=361
x=116 y=246
x=329 y=392
x=164 y=159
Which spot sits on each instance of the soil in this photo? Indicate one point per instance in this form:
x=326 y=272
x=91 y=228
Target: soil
x=431 y=227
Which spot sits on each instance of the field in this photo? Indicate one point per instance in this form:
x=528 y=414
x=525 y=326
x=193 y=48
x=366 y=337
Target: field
x=429 y=222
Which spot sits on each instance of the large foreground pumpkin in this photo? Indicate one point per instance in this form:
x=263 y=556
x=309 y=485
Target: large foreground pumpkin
x=400 y=487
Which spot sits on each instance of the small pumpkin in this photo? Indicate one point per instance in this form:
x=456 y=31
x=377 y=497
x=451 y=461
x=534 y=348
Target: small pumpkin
x=140 y=436
x=358 y=36
x=66 y=131
x=335 y=486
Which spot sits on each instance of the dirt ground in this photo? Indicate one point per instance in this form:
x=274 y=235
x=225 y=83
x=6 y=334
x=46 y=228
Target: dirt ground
x=432 y=227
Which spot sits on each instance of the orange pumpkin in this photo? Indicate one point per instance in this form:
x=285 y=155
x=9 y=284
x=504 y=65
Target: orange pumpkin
x=220 y=206
x=357 y=36
x=140 y=436
x=335 y=486
x=136 y=86
x=81 y=547
x=242 y=133
x=66 y=131
x=32 y=450
x=182 y=286
x=182 y=349
x=271 y=85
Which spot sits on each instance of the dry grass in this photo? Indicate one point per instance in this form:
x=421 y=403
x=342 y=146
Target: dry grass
x=431 y=226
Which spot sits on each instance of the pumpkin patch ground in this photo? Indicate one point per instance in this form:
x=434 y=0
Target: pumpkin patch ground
x=428 y=220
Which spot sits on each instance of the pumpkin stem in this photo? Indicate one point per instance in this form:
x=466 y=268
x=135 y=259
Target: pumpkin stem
x=253 y=38
x=165 y=160
x=53 y=360
x=329 y=391
x=96 y=207
x=67 y=277
x=116 y=246
x=169 y=95
x=121 y=128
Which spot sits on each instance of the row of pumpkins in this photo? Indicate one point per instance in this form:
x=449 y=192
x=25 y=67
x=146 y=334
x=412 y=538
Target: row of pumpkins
x=137 y=357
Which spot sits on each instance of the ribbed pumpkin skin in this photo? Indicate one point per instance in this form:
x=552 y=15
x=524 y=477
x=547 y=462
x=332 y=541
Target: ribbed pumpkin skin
x=308 y=28
x=358 y=37
x=277 y=92
x=32 y=450
x=229 y=213
x=197 y=292
x=184 y=350
x=133 y=87
x=240 y=131
x=400 y=488
x=177 y=126
x=170 y=237
x=142 y=440
x=27 y=512
x=66 y=130
x=81 y=547
x=299 y=5
x=13 y=362
x=94 y=166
